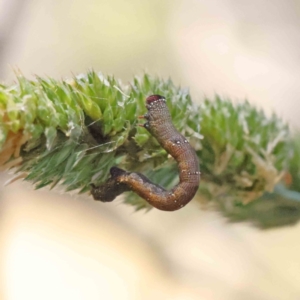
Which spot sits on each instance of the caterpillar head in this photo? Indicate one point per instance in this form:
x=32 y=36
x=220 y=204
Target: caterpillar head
x=158 y=112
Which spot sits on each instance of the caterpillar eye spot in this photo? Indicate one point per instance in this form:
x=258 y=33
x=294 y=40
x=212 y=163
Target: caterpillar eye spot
x=154 y=98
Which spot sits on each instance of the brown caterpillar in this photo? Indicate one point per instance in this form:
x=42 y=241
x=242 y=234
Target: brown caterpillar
x=159 y=124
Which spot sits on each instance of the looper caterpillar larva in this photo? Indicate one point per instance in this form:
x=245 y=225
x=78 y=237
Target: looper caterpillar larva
x=159 y=124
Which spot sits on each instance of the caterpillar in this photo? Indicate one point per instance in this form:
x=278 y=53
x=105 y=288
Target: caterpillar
x=159 y=124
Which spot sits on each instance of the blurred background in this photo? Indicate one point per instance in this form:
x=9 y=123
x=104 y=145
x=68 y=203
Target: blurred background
x=58 y=246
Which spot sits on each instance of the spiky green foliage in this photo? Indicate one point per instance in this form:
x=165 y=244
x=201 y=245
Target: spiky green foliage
x=281 y=207
x=244 y=152
x=71 y=132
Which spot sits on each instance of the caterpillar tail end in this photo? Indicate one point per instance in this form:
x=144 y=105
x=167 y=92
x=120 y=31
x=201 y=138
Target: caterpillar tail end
x=112 y=188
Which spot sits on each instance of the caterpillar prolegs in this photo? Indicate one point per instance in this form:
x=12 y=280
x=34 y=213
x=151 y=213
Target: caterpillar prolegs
x=159 y=124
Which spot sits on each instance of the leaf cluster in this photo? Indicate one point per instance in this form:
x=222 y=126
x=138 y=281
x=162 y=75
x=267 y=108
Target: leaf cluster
x=71 y=132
